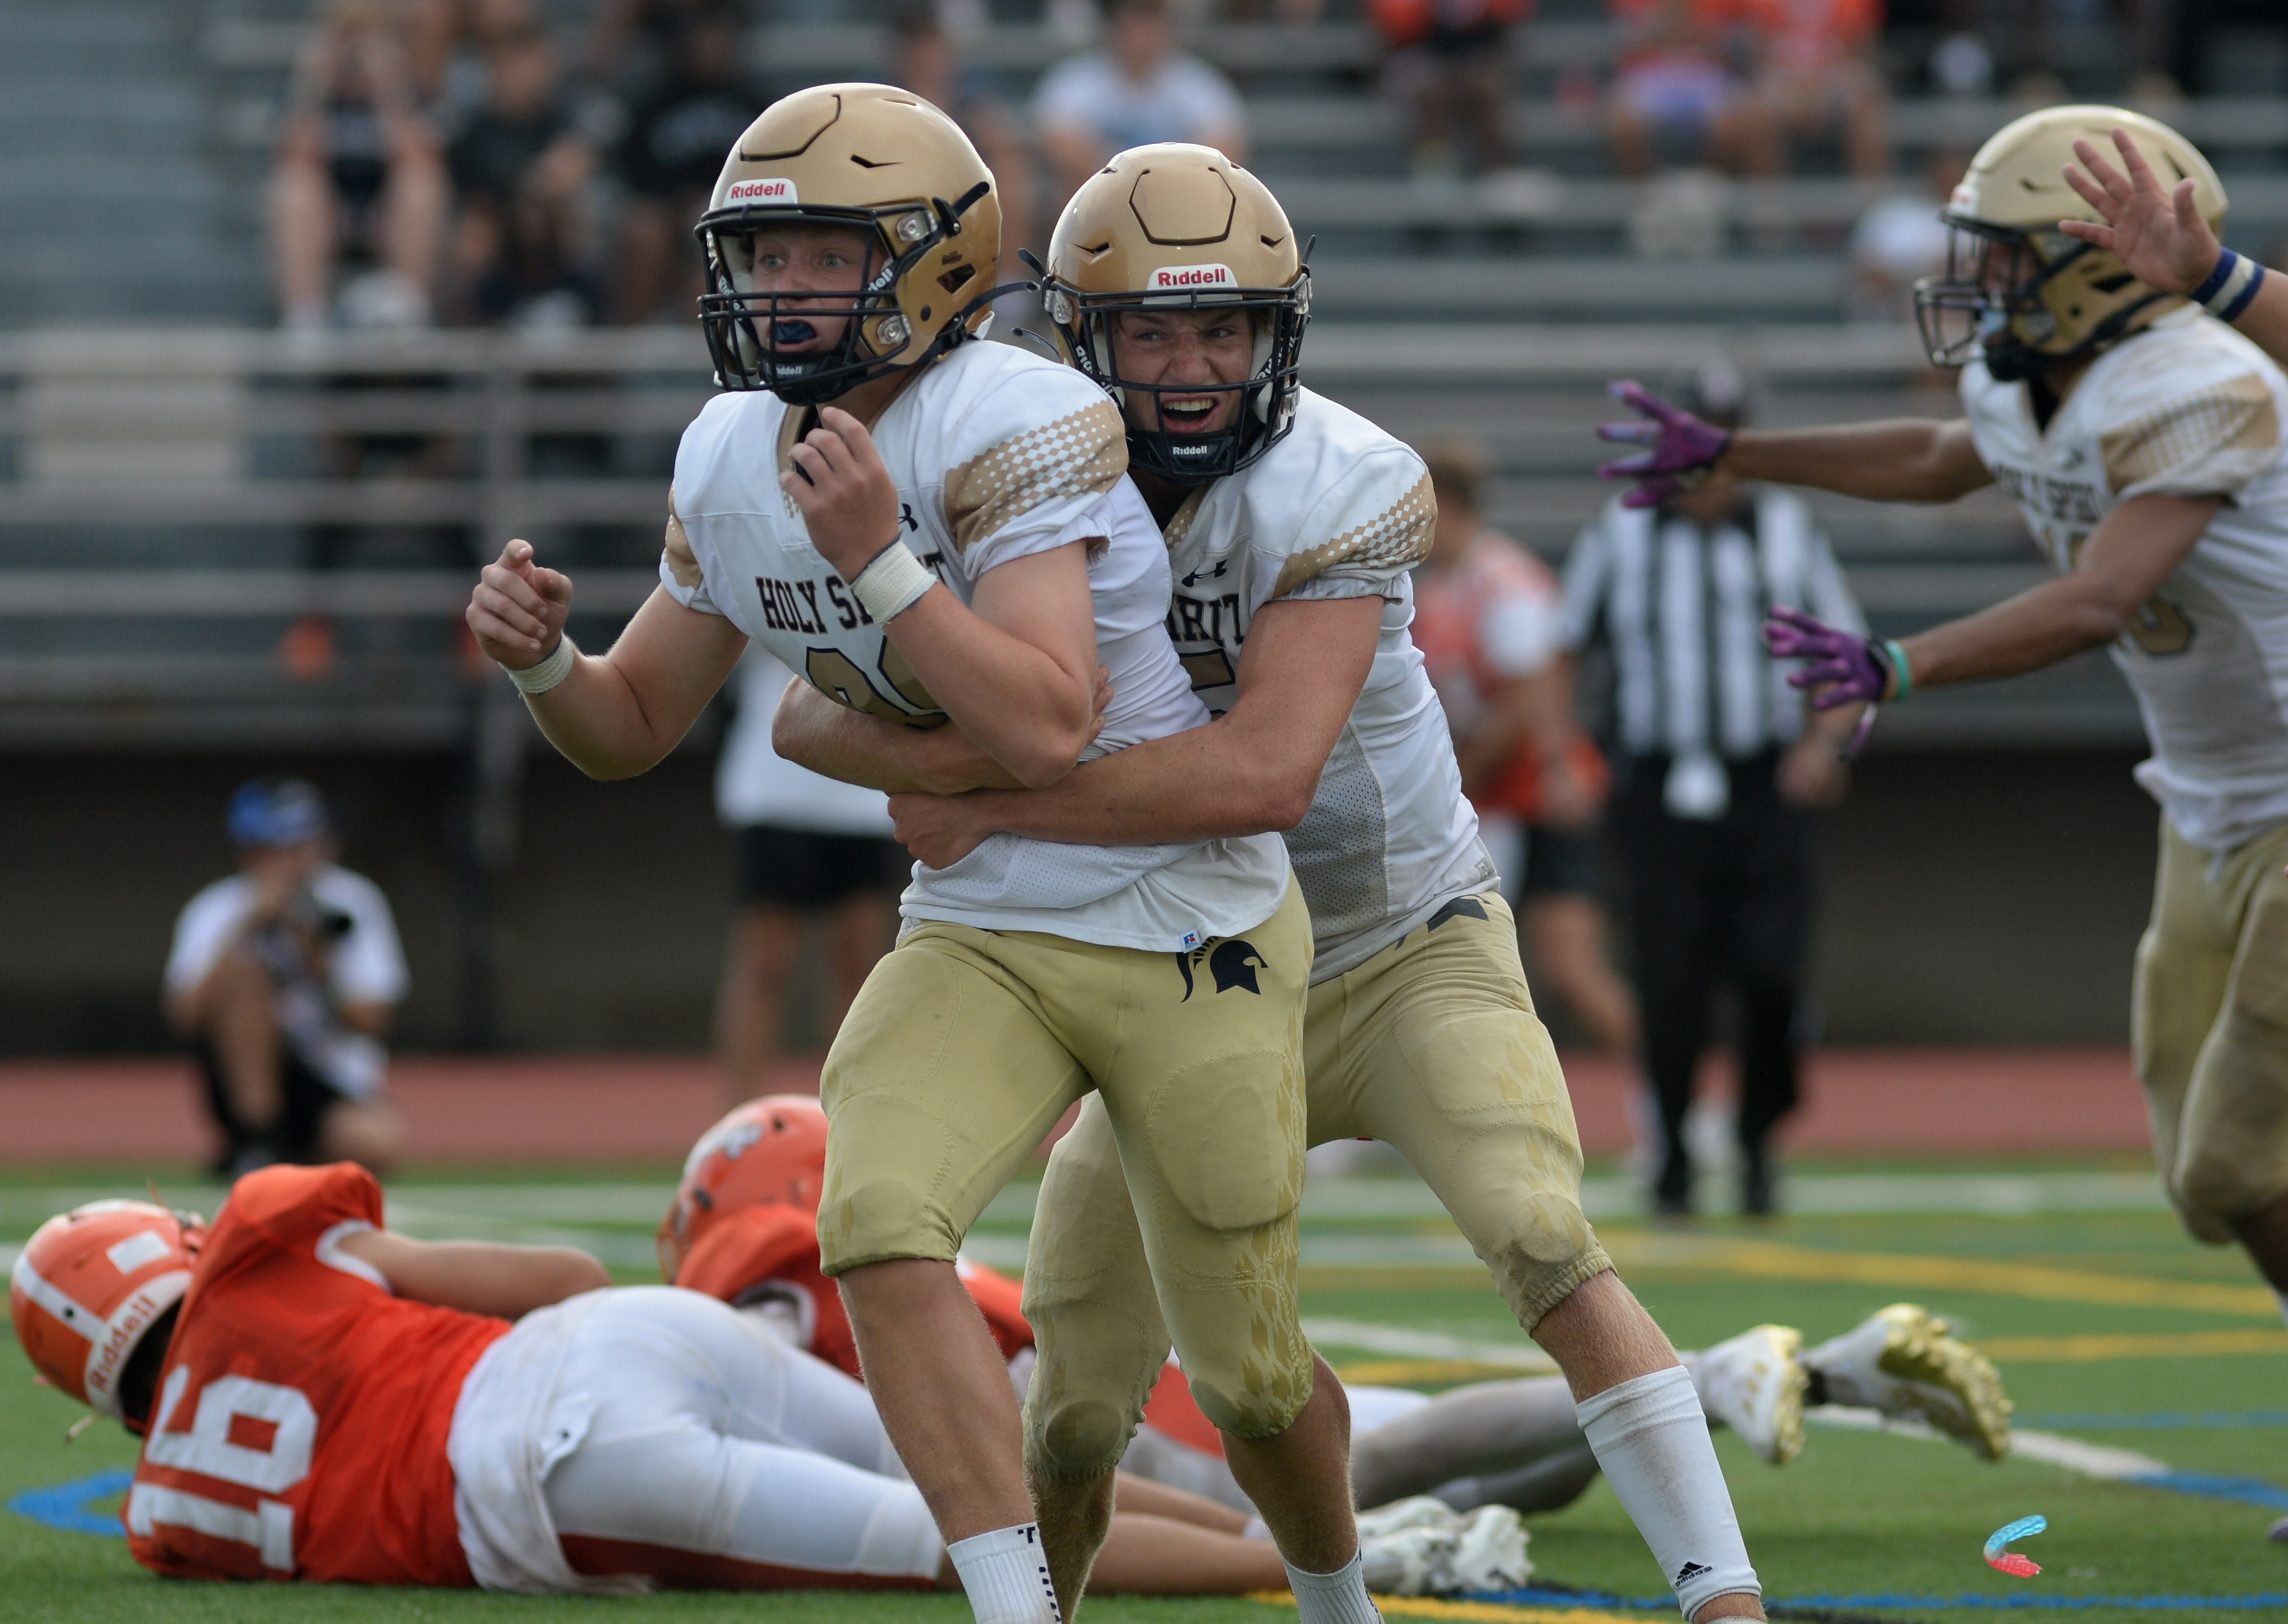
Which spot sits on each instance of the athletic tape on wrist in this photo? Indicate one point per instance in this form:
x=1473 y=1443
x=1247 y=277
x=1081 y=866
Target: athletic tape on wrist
x=1900 y=674
x=2231 y=286
x=893 y=583
x=538 y=679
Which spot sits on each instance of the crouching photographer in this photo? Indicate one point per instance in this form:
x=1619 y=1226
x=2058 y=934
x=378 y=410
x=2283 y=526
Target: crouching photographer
x=282 y=977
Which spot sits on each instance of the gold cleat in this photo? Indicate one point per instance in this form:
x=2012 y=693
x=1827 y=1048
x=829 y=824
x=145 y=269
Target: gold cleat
x=1905 y=1362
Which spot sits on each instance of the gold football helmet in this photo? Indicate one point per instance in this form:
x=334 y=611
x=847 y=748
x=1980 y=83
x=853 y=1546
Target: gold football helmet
x=2017 y=289
x=882 y=161
x=1178 y=226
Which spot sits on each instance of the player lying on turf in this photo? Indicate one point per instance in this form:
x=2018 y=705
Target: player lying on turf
x=2142 y=442
x=928 y=529
x=322 y=1399
x=1175 y=284
x=741 y=1229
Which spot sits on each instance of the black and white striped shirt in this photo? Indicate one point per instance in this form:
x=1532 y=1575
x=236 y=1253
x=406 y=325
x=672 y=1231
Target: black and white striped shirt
x=1682 y=606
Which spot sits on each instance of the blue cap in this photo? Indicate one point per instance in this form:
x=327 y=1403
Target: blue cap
x=277 y=812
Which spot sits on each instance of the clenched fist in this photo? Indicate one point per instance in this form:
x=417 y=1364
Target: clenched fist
x=518 y=609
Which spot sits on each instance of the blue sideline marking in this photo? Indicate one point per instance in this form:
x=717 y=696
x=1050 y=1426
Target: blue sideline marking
x=65 y=1505
x=1901 y=1599
x=2205 y=1485
x=2156 y=1421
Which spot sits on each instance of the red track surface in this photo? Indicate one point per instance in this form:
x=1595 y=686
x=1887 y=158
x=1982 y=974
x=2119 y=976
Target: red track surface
x=636 y=1108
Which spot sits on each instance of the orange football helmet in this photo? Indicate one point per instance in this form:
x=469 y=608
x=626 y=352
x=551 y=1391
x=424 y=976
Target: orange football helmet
x=769 y=1152
x=88 y=1285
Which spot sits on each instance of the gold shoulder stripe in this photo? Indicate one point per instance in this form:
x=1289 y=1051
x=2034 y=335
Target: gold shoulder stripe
x=1083 y=454
x=2236 y=415
x=1180 y=523
x=682 y=563
x=1397 y=538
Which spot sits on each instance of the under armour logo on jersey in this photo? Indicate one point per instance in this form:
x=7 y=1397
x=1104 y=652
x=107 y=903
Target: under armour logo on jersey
x=1232 y=962
x=906 y=516
x=1689 y=1571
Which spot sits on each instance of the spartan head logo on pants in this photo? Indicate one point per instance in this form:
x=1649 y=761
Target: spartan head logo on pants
x=1232 y=962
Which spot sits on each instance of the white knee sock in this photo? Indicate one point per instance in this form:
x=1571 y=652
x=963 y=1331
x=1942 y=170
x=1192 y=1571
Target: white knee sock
x=1651 y=1437
x=1338 y=1598
x=1007 y=1577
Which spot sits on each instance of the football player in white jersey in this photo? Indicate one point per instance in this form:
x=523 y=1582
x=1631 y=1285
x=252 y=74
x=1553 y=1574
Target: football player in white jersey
x=1176 y=285
x=929 y=529
x=2141 y=440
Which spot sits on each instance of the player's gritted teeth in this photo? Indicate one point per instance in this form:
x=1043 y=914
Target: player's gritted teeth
x=1188 y=413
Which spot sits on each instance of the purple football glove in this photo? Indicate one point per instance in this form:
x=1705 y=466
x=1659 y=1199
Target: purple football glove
x=1844 y=666
x=1679 y=449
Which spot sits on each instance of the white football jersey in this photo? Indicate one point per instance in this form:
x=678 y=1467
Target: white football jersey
x=2192 y=408
x=997 y=454
x=1339 y=509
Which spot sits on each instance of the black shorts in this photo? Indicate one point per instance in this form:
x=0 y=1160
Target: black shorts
x=1559 y=862
x=794 y=868
x=294 y=1136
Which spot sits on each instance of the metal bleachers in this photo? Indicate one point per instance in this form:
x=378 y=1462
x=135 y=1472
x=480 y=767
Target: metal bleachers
x=176 y=489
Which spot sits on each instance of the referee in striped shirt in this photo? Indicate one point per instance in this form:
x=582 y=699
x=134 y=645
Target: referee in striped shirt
x=1719 y=768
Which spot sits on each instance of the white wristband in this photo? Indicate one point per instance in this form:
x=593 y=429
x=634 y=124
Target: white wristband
x=893 y=583
x=538 y=679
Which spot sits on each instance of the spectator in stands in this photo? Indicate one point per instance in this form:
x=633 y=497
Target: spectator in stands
x=1450 y=61
x=1677 y=94
x=283 y=978
x=1815 y=74
x=1900 y=239
x=1490 y=621
x=669 y=156
x=927 y=63
x=358 y=184
x=449 y=41
x=1721 y=769
x=1139 y=89
x=521 y=166
x=813 y=853
x=640 y=33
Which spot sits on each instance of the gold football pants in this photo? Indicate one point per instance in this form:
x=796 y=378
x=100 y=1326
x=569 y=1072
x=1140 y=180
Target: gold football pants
x=2209 y=1022
x=966 y=1046
x=1431 y=1045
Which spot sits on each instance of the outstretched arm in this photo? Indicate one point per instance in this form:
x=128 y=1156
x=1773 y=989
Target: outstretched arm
x=2120 y=566
x=1903 y=460
x=1254 y=769
x=477 y=1276
x=2162 y=238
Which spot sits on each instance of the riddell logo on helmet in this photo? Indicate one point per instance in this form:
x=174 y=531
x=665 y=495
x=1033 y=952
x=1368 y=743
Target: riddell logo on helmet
x=1184 y=277
x=760 y=191
x=104 y=1369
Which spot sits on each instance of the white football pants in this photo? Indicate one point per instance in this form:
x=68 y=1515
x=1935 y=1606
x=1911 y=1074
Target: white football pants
x=718 y=1455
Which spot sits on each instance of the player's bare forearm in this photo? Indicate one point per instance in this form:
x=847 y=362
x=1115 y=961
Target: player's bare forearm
x=1252 y=771
x=2121 y=566
x=618 y=714
x=1016 y=668
x=813 y=731
x=1904 y=459
x=477 y=1276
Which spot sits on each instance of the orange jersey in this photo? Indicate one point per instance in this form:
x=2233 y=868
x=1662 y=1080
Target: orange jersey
x=774 y=1249
x=1494 y=617
x=300 y=1426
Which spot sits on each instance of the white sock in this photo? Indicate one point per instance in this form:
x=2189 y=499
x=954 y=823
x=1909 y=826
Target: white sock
x=1651 y=1437
x=1338 y=1598
x=1006 y=1576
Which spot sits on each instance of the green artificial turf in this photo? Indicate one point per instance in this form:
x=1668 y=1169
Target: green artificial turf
x=1860 y=1513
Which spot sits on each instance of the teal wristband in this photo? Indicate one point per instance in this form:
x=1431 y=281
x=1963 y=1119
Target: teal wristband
x=1897 y=658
